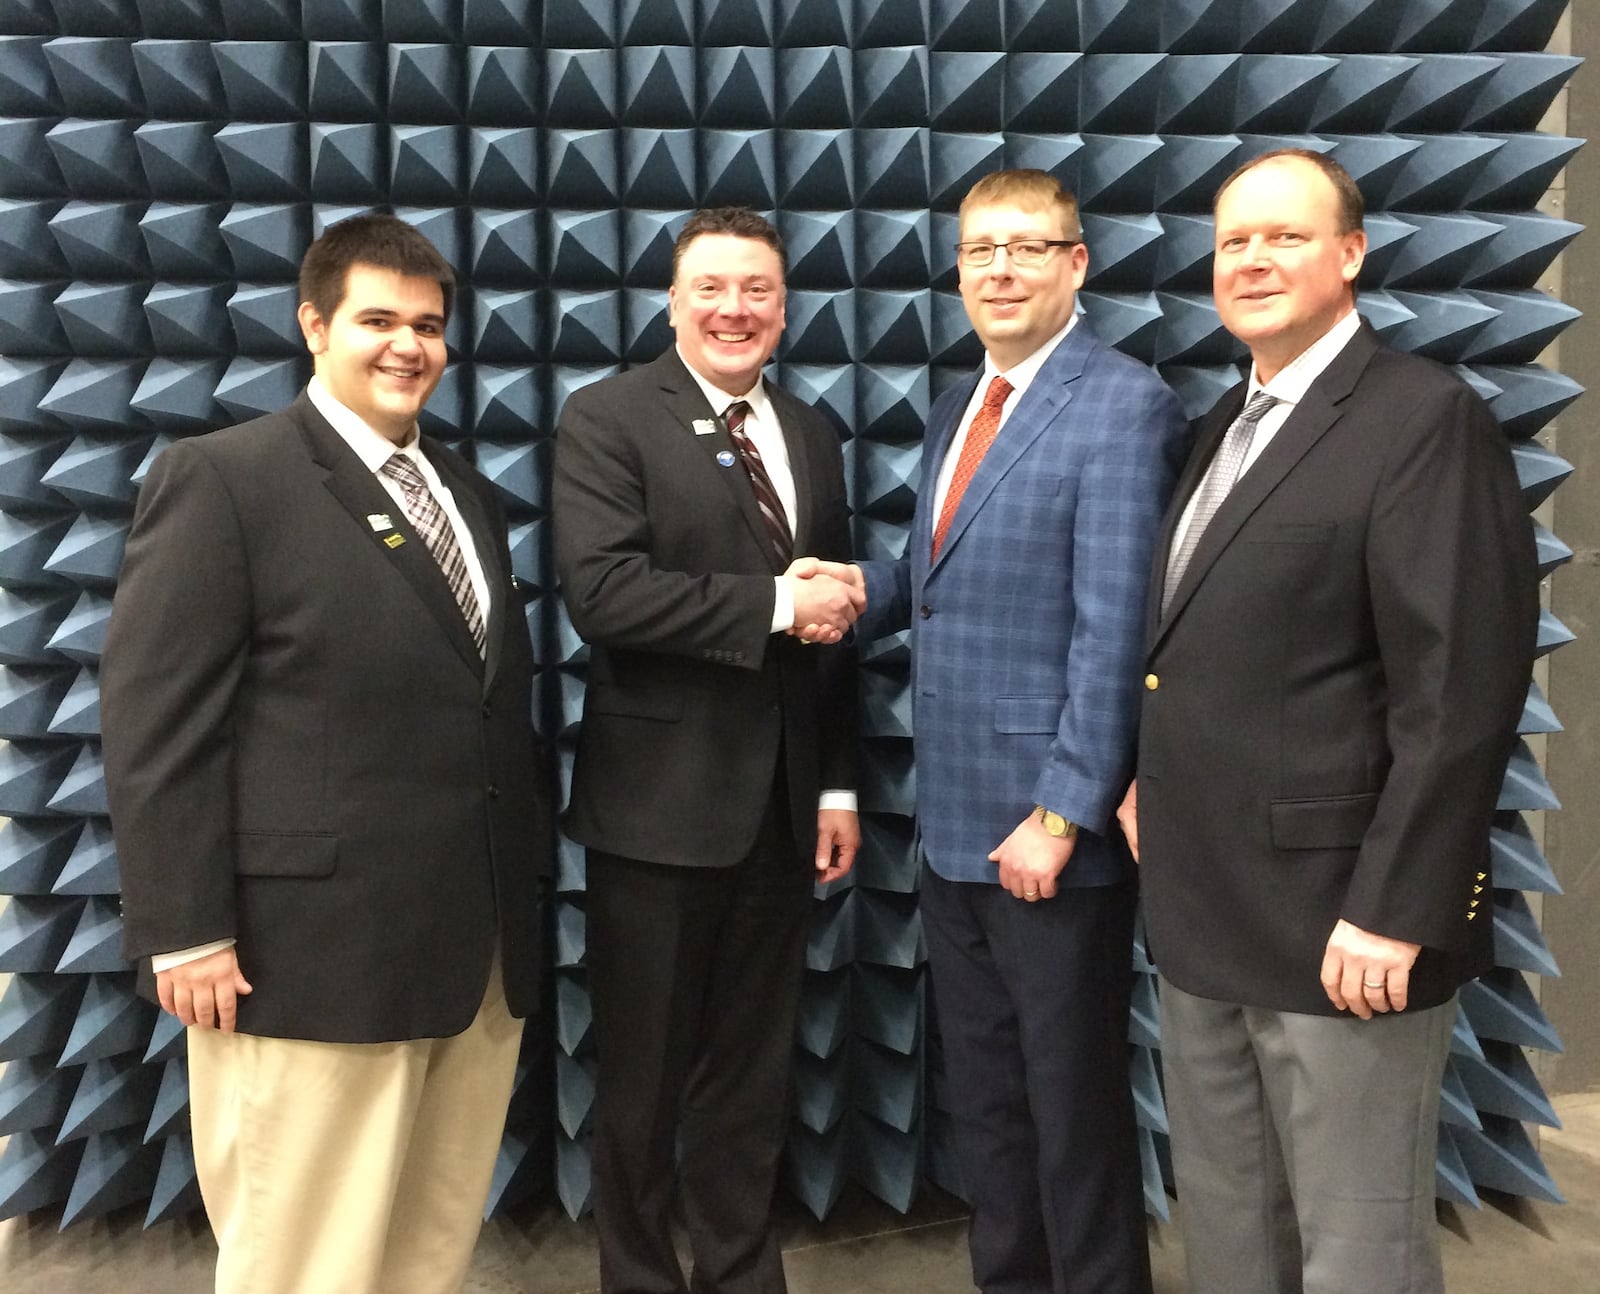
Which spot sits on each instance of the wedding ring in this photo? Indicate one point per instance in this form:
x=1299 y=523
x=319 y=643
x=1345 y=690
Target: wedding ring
x=1366 y=983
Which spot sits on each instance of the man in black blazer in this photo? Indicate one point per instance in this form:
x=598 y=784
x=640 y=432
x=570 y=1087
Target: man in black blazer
x=716 y=757
x=327 y=799
x=1339 y=647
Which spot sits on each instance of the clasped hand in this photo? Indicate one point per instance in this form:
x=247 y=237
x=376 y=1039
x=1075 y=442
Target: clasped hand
x=828 y=598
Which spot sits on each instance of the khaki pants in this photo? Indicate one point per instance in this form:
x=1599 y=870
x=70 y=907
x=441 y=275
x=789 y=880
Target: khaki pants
x=350 y=1168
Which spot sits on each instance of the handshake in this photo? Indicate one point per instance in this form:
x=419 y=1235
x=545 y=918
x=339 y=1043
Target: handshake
x=828 y=598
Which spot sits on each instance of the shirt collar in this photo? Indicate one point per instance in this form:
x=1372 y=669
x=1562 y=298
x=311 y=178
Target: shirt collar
x=719 y=400
x=1295 y=379
x=371 y=447
x=1022 y=374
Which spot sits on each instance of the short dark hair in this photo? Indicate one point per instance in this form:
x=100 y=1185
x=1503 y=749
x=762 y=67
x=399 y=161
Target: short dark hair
x=1352 y=207
x=740 y=222
x=385 y=242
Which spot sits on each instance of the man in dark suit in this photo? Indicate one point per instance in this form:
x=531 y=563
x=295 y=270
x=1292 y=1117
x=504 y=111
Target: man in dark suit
x=327 y=799
x=1044 y=477
x=715 y=761
x=1338 y=650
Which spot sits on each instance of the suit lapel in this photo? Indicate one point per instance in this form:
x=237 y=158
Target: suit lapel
x=1045 y=399
x=1310 y=421
x=686 y=402
x=359 y=493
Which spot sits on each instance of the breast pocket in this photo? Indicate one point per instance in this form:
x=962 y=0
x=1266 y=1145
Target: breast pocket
x=1039 y=485
x=1299 y=533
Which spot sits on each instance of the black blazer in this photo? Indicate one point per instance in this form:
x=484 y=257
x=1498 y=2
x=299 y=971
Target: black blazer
x=1333 y=693
x=304 y=750
x=668 y=574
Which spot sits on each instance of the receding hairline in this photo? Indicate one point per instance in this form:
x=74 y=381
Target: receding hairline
x=1348 y=205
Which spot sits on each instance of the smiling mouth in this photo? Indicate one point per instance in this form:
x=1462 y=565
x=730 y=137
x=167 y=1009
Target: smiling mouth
x=403 y=374
x=732 y=338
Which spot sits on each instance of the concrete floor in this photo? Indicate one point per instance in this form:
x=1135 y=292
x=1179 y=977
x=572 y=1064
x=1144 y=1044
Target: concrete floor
x=864 y=1248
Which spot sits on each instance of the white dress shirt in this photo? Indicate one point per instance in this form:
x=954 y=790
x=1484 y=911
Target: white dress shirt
x=374 y=451
x=1290 y=387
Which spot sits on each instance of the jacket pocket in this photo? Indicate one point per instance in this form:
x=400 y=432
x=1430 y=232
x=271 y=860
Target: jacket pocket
x=263 y=853
x=1331 y=822
x=1028 y=713
x=635 y=703
x=1292 y=533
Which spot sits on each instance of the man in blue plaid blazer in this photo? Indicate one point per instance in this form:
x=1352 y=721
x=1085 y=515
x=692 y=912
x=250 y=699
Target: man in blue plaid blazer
x=1043 y=482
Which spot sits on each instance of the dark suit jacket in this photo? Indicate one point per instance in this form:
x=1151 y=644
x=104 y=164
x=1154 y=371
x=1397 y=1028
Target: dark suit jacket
x=304 y=750
x=1334 y=690
x=668 y=574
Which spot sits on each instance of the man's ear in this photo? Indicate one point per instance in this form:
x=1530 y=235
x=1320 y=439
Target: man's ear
x=312 y=328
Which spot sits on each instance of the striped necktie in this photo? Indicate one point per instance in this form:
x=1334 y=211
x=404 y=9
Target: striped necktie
x=433 y=527
x=1225 y=469
x=772 y=514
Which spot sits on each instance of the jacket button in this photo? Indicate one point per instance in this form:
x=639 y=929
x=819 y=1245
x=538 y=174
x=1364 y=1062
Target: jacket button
x=488 y=711
x=926 y=611
x=1151 y=682
x=493 y=791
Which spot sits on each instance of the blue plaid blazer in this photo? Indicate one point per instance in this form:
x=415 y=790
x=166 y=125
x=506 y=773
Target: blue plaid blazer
x=1027 y=633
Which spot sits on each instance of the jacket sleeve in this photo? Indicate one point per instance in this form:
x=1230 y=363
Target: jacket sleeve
x=1122 y=495
x=172 y=667
x=1454 y=588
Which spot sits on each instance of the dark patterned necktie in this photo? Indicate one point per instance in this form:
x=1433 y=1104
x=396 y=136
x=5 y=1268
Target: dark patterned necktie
x=772 y=514
x=433 y=527
x=980 y=435
x=1225 y=469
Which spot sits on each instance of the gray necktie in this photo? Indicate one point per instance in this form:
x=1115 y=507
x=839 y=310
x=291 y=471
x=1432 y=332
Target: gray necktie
x=433 y=527
x=1219 y=479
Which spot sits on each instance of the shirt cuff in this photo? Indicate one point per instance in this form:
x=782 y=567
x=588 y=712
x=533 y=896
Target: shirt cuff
x=782 y=606
x=837 y=800
x=166 y=961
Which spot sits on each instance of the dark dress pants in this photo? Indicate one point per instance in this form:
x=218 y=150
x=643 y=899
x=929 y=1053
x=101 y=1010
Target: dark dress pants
x=1032 y=1002
x=694 y=978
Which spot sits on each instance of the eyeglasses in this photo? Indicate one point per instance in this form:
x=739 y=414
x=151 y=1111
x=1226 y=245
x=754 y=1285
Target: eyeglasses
x=1023 y=251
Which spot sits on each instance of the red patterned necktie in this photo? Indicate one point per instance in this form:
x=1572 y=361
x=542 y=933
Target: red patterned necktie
x=433 y=527
x=772 y=514
x=980 y=435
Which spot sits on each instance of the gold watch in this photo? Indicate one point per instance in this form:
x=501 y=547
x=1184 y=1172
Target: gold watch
x=1057 y=826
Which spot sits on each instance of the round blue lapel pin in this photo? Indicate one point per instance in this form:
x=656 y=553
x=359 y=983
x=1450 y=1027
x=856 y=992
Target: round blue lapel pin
x=725 y=457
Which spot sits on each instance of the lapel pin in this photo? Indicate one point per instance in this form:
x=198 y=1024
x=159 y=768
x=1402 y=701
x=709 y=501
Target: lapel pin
x=393 y=541
x=705 y=427
x=379 y=521
x=726 y=458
